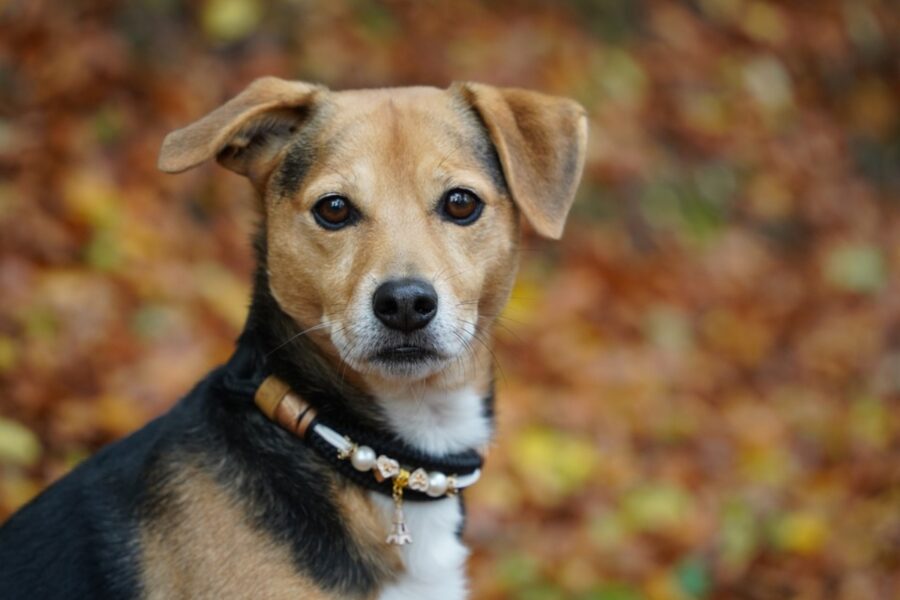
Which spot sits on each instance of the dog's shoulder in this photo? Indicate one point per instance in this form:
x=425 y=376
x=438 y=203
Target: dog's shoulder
x=210 y=496
x=77 y=538
x=251 y=507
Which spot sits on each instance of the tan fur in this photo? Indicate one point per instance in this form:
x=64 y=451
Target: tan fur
x=361 y=518
x=204 y=548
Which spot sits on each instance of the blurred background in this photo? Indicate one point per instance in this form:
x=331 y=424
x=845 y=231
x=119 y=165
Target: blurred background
x=699 y=387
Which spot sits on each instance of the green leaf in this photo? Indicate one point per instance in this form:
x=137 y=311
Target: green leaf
x=739 y=534
x=517 y=571
x=108 y=125
x=613 y=591
x=653 y=507
x=668 y=329
x=870 y=422
x=543 y=591
x=693 y=577
x=104 y=252
x=856 y=267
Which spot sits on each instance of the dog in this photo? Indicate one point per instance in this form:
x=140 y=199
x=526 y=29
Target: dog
x=327 y=458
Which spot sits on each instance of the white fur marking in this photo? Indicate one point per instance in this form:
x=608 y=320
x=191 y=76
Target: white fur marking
x=438 y=422
x=435 y=560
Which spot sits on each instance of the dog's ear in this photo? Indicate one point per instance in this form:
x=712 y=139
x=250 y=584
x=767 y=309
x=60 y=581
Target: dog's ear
x=245 y=133
x=541 y=142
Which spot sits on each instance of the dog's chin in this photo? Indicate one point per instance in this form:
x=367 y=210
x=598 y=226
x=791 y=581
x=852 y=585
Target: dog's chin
x=406 y=362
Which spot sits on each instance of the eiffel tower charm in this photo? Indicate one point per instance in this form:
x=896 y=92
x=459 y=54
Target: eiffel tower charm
x=399 y=535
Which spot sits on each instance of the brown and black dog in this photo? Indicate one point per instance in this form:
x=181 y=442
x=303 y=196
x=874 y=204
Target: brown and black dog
x=388 y=246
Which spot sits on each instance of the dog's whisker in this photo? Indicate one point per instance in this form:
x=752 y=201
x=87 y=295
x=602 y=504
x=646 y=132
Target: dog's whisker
x=508 y=330
x=502 y=317
x=497 y=320
x=467 y=303
x=469 y=351
x=294 y=337
x=478 y=337
x=437 y=277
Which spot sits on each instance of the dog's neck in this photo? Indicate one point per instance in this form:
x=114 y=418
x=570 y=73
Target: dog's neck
x=440 y=422
x=433 y=420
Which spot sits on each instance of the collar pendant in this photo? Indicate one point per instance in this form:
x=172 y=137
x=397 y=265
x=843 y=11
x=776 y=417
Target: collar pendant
x=399 y=535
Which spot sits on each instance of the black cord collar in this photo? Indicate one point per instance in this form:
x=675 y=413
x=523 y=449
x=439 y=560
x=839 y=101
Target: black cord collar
x=246 y=371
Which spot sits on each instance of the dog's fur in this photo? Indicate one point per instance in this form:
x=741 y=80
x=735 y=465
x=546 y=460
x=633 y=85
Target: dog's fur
x=212 y=500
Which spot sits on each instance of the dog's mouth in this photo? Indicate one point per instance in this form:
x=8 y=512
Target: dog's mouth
x=405 y=355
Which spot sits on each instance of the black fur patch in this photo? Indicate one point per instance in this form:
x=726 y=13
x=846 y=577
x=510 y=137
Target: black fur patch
x=297 y=162
x=305 y=149
x=484 y=148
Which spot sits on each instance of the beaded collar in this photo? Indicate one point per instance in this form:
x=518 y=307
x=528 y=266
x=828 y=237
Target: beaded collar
x=371 y=460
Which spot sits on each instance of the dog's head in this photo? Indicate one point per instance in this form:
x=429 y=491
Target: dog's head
x=391 y=216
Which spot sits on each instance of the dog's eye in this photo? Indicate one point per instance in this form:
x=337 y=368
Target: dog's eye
x=334 y=212
x=461 y=206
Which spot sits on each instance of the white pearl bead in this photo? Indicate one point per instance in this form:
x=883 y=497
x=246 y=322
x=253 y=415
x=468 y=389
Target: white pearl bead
x=437 y=484
x=363 y=459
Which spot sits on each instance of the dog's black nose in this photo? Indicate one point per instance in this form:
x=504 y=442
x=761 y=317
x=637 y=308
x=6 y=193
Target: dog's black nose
x=405 y=304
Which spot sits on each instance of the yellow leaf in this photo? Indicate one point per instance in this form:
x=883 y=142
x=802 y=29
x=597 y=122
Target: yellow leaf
x=18 y=445
x=230 y=20
x=523 y=300
x=553 y=464
x=92 y=199
x=801 y=532
x=655 y=507
x=228 y=296
x=9 y=353
x=765 y=23
x=16 y=490
x=118 y=415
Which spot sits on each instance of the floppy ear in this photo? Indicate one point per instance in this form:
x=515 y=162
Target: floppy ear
x=245 y=133
x=541 y=142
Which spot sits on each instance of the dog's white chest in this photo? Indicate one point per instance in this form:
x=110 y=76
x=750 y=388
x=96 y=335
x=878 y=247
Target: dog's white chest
x=435 y=561
x=438 y=423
